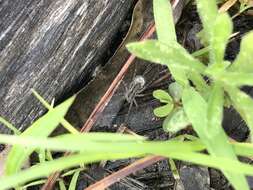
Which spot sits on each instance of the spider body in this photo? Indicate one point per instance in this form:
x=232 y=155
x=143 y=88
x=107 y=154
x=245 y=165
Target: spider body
x=135 y=88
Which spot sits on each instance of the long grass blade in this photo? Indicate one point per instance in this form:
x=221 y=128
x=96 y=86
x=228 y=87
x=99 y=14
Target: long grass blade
x=72 y=185
x=98 y=143
x=44 y=169
x=40 y=128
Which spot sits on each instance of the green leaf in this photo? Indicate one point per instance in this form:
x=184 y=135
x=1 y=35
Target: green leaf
x=166 y=33
x=220 y=34
x=243 y=62
x=176 y=91
x=162 y=96
x=243 y=103
x=62 y=185
x=164 y=21
x=215 y=70
x=215 y=116
x=200 y=114
x=195 y=108
x=207 y=11
x=236 y=79
x=215 y=111
x=72 y=185
x=41 y=128
x=163 y=111
x=176 y=121
x=172 y=55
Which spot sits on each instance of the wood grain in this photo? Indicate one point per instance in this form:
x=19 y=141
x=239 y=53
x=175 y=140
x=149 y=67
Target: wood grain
x=51 y=46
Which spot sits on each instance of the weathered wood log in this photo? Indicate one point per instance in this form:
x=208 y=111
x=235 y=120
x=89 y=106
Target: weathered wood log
x=50 y=45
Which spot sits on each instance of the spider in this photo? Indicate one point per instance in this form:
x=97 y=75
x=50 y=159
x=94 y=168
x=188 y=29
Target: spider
x=138 y=84
x=136 y=87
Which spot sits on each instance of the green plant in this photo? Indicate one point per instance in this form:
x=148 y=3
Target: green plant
x=203 y=104
x=93 y=147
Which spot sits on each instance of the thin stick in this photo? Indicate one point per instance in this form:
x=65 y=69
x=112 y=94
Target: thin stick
x=117 y=176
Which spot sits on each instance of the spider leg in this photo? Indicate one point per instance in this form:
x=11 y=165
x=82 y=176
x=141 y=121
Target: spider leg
x=135 y=102
x=126 y=90
x=149 y=68
x=153 y=80
x=135 y=72
x=128 y=112
x=140 y=95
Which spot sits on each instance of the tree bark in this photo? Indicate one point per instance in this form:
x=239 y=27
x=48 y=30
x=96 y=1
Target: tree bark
x=51 y=45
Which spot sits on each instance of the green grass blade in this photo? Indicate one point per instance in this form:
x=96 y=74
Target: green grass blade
x=71 y=172
x=44 y=102
x=243 y=103
x=38 y=182
x=172 y=55
x=86 y=142
x=164 y=21
x=243 y=62
x=9 y=126
x=217 y=162
x=205 y=118
x=40 y=128
x=72 y=185
x=62 y=185
x=64 y=122
x=44 y=169
x=241 y=149
x=220 y=34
